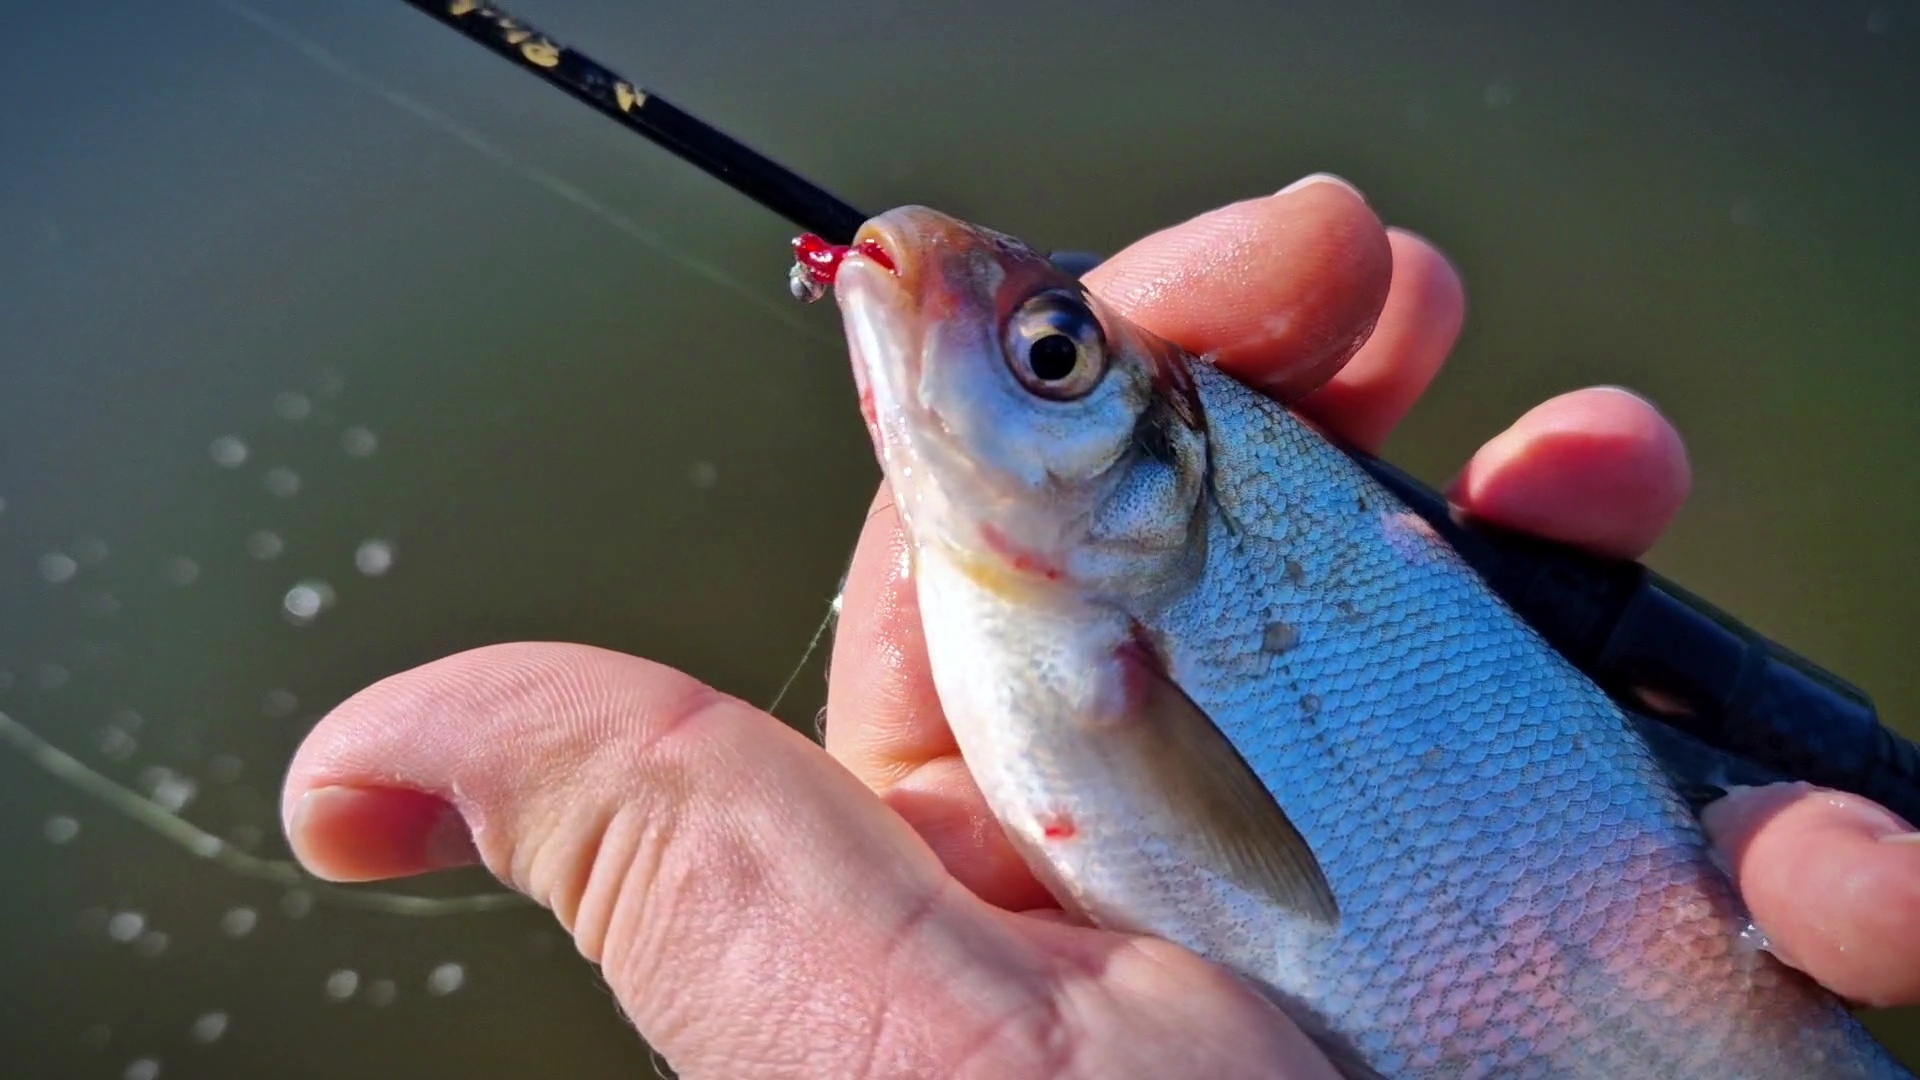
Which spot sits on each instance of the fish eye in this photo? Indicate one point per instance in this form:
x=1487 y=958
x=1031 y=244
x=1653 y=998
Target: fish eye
x=1055 y=347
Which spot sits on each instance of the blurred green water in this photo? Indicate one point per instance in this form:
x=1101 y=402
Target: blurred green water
x=361 y=253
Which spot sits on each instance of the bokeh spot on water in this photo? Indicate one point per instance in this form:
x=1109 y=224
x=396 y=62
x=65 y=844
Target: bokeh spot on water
x=239 y=922
x=373 y=557
x=342 y=984
x=703 y=475
x=445 y=979
x=58 y=568
x=142 y=1069
x=209 y=1027
x=265 y=545
x=168 y=788
x=381 y=992
x=125 y=926
x=296 y=904
x=293 y=405
x=152 y=943
x=358 y=442
x=228 y=451
x=60 y=829
x=117 y=743
x=181 y=570
x=279 y=703
x=306 y=601
x=281 y=481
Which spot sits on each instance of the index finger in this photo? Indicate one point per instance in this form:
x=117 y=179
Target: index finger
x=1281 y=291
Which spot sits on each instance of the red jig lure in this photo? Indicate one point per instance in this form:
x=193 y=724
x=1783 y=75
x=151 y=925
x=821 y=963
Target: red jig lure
x=815 y=262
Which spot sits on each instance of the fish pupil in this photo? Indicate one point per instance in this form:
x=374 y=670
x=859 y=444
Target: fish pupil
x=1053 y=357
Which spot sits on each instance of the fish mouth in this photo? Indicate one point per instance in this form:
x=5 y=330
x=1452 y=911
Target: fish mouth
x=891 y=315
x=875 y=306
x=911 y=238
x=876 y=300
x=883 y=235
x=887 y=309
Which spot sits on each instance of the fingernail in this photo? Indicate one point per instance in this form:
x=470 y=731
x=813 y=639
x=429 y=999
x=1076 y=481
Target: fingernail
x=1746 y=808
x=1742 y=807
x=1321 y=178
x=1609 y=388
x=364 y=834
x=1901 y=838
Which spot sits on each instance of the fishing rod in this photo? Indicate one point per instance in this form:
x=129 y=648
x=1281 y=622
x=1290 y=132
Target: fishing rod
x=1663 y=652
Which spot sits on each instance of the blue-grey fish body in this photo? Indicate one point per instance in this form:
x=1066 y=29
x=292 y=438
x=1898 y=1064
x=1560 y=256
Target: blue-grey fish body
x=1221 y=688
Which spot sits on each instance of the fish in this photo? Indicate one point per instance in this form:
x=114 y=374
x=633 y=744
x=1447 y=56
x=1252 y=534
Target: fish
x=1219 y=687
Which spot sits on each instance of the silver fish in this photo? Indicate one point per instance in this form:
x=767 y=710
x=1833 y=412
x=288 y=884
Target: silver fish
x=1219 y=687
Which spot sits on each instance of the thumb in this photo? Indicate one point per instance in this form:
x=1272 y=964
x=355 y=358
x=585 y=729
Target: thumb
x=746 y=896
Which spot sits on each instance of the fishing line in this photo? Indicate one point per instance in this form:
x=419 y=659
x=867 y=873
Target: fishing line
x=548 y=181
x=813 y=646
x=205 y=845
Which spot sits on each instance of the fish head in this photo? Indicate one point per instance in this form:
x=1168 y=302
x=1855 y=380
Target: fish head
x=1027 y=432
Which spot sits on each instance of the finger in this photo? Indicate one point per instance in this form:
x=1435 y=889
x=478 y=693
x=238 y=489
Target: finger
x=1833 y=881
x=1426 y=306
x=1598 y=468
x=884 y=721
x=1281 y=290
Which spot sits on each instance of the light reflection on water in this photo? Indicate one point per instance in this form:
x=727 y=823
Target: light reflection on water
x=355 y=348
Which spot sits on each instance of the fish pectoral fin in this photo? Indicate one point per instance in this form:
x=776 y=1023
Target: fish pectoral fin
x=1214 y=796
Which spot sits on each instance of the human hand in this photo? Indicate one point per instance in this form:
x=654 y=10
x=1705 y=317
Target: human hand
x=763 y=911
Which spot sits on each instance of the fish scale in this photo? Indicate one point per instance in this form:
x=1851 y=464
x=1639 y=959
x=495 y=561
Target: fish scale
x=1188 y=647
x=1476 y=802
